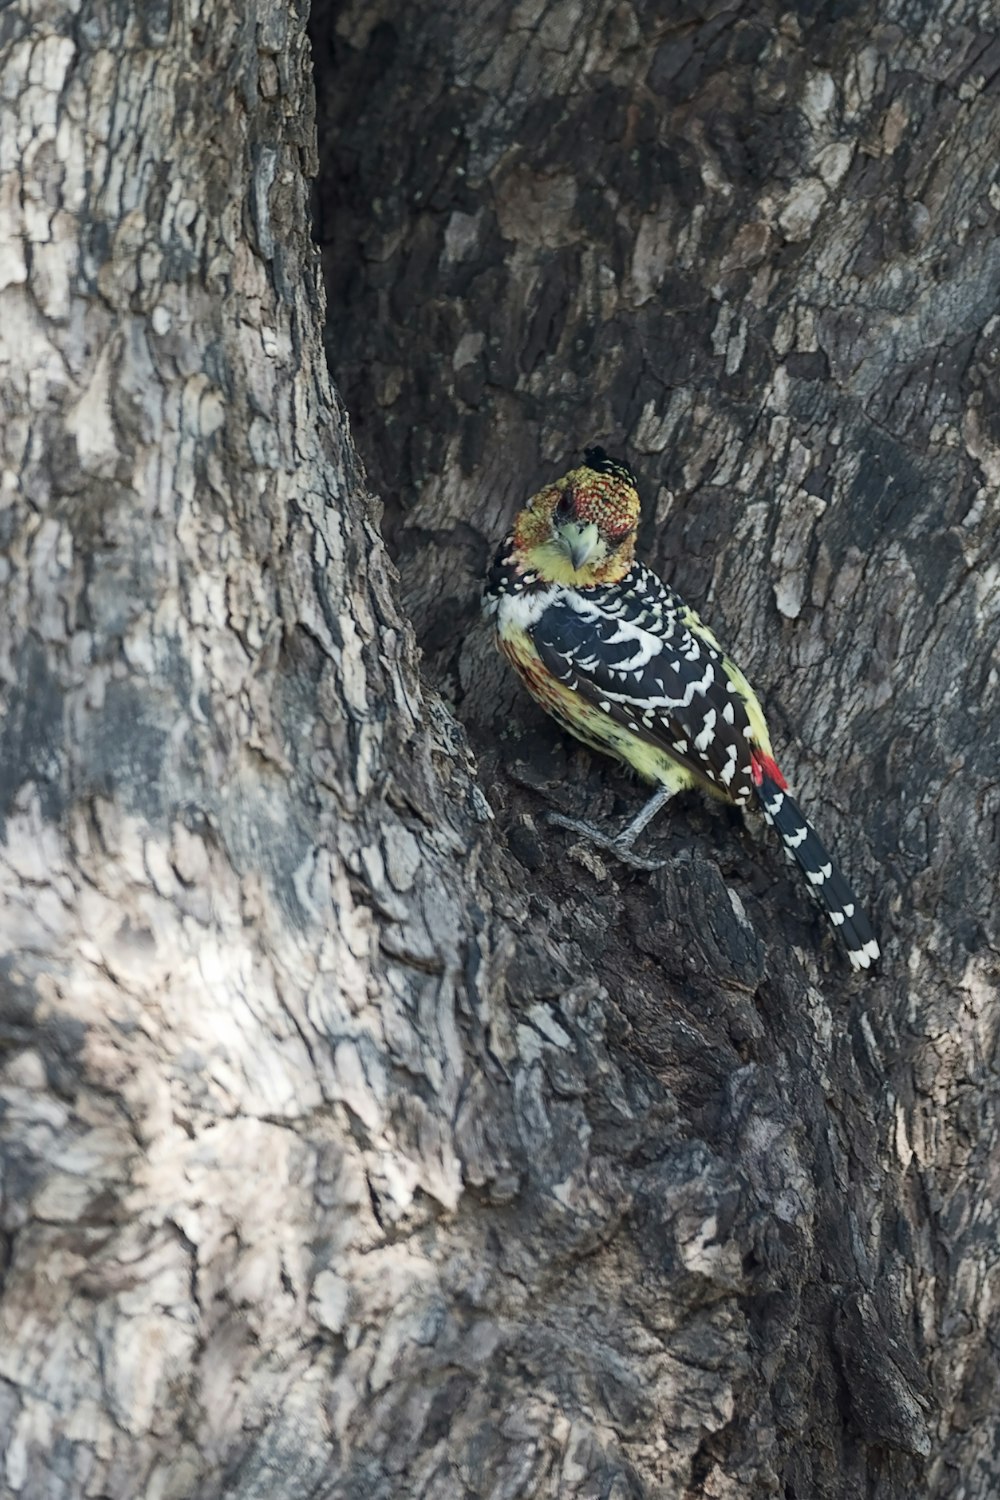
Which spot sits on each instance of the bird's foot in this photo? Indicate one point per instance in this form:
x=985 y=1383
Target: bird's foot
x=620 y=845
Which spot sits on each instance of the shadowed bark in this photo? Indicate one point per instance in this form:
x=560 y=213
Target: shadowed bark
x=755 y=251
x=358 y=1135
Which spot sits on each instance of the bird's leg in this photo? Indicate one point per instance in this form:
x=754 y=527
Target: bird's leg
x=621 y=843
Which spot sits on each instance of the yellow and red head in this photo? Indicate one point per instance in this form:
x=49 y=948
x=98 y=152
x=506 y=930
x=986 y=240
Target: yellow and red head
x=581 y=529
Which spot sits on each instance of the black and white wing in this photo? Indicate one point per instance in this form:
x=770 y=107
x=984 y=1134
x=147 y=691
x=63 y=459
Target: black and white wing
x=630 y=653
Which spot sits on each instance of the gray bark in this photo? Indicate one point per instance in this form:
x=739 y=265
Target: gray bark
x=755 y=250
x=358 y=1137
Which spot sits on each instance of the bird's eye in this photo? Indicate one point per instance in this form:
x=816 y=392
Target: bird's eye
x=565 y=507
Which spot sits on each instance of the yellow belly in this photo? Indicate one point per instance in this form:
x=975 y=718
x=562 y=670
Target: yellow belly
x=586 y=722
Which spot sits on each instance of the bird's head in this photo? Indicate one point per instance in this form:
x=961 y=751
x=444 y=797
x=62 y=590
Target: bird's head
x=580 y=530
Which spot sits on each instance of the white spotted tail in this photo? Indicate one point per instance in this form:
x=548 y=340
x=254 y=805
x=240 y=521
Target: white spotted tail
x=826 y=881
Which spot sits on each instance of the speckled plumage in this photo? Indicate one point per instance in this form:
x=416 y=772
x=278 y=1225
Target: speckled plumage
x=617 y=657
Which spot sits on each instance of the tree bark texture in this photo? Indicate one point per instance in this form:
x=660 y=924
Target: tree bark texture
x=358 y=1138
x=754 y=249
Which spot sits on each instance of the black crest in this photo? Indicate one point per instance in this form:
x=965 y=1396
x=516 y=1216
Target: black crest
x=603 y=463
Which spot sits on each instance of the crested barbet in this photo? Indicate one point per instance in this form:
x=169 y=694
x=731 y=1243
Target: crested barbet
x=620 y=660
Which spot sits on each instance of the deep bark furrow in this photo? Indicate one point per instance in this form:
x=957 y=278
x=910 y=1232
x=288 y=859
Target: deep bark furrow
x=359 y=1135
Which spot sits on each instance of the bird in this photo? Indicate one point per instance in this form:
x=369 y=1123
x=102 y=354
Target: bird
x=619 y=660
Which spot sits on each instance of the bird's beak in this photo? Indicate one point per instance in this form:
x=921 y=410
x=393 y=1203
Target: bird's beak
x=580 y=543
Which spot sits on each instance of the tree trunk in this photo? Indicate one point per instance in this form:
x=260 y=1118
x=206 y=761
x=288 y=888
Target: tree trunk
x=360 y=1137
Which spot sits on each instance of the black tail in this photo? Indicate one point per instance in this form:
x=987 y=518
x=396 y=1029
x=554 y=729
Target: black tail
x=826 y=882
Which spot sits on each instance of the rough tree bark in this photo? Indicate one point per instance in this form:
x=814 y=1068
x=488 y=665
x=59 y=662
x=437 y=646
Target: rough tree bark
x=356 y=1140
x=756 y=249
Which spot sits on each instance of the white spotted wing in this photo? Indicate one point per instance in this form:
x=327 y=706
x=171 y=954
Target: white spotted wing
x=630 y=651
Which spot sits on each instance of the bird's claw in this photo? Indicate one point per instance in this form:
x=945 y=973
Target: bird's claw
x=620 y=847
